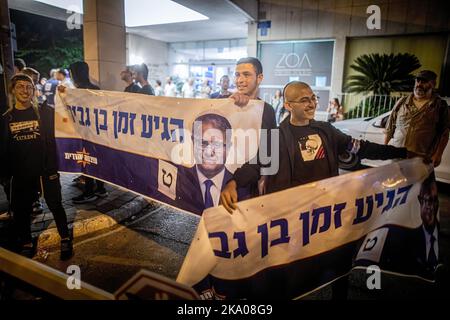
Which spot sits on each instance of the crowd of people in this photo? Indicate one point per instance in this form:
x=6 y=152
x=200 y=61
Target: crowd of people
x=309 y=150
x=136 y=79
x=133 y=77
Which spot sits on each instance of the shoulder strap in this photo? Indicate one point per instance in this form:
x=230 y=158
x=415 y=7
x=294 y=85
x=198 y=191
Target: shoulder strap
x=399 y=103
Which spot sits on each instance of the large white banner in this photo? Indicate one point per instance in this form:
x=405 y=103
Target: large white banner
x=286 y=244
x=152 y=145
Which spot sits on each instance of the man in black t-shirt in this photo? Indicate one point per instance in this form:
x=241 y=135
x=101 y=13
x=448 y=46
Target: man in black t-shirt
x=140 y=74
x=127 y=76
x=27 y=155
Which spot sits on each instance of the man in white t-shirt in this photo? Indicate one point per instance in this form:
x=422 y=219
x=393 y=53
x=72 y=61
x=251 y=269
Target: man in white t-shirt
x=188 y=90
x=170 y=90
x=62 y=77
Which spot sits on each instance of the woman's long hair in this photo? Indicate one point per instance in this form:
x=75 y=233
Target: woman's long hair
x=336 y=100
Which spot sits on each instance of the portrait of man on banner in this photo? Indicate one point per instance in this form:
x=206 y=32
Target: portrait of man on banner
x=199 y=187
x=408 y=251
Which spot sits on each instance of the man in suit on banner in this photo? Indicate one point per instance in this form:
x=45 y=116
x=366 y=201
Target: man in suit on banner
x=408 y=251
x=198 y=188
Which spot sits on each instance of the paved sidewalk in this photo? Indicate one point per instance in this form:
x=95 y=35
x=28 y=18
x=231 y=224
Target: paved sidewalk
x=87 y=218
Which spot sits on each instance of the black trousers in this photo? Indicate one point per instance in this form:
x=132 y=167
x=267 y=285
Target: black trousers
x=23 y=194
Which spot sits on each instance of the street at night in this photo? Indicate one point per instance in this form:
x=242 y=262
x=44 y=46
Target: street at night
x=248 y=156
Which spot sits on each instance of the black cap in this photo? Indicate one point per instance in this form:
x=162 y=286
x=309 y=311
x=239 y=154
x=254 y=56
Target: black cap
x=426 y=75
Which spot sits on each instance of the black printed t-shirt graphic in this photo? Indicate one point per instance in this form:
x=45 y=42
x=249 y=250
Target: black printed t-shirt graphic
x=26 y=157
x=310 y=160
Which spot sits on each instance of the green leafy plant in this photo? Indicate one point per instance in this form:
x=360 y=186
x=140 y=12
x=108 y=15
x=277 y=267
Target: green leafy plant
x=46 y=43
x=64 y=52
x=378 y=75
x=383 y=74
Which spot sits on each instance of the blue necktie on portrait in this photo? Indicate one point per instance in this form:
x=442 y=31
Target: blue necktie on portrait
x=208 y=198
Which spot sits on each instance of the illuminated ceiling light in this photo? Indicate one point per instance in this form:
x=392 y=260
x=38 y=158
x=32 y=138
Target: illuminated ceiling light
x=152 y=12
x=141 y=12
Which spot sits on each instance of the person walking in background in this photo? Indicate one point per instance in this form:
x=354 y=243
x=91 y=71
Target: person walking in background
x=170 y=90
x=188 y=90
x=159 y=91
x=205 y=90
